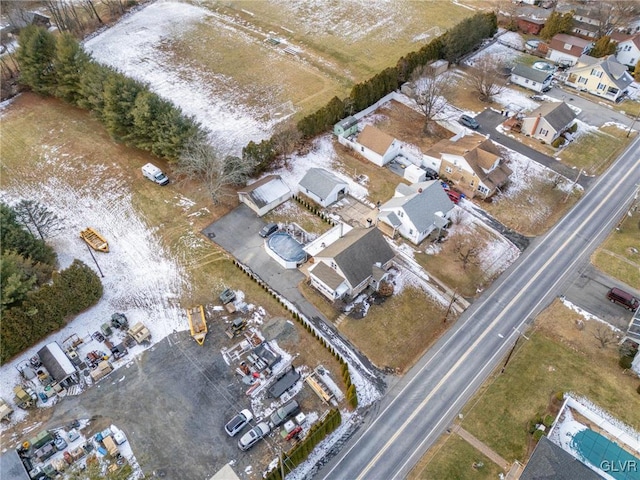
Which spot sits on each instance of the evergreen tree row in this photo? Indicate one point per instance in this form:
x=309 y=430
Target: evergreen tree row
x=36 y=300
x=132 y=114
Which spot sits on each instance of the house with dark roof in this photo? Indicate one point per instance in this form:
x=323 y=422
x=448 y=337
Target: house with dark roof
x=415 y=211
x=550 y=462
x=265 y=194
x=531 y=19
x=548 y=121
x=531 y=78
x=604 y=77
x=356 y=260
x=322 y=186
x=346 y=127
x=628 y=48
x=377 y=146
x=471 y=162
x=57 y=363
x=566 y=49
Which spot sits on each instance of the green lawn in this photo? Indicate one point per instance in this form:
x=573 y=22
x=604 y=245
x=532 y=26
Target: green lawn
x=594 y=152
x=454 y=460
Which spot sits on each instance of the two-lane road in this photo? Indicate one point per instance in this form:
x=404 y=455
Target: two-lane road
x=419 y=408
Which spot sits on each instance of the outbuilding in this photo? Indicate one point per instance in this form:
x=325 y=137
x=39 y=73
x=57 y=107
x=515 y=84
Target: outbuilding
x=265 y=194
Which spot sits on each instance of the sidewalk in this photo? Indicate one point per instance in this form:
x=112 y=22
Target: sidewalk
x=481 y=447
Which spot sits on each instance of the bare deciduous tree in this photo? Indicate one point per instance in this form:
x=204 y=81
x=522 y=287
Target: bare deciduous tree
x=90 y=8
x=430 y=91
x=285 y=140
x=604 y=335
x=613 y=14
x=202 y=162
x=37 y=218
x=485 y=78
x=466 y=250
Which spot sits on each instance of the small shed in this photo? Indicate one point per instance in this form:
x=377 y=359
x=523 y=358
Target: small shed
x=346 y=127
x=58 y=365
x=439 y=66
x=265 y=194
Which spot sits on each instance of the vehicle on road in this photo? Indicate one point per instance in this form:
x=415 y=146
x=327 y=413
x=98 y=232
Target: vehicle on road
x=469 y=122
x=154 y=174
x=237 y=423
x=253 y=436
x=268 y=230
x=284 y=412
x=628 y=301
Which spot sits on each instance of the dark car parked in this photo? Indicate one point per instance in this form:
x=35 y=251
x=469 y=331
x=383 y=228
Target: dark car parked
x=268 y=229
x=469 y=122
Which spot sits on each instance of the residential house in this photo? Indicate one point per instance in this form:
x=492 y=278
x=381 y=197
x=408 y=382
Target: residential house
x=57 y=363
x=265 y=194
x=415 y=211
x=531 y=78
x=472 y=163
x=604 y=77
x=377 y=146
x=548 y=460
x=531 y=19
x=566 y=49
x=346 y=127
x=628 y=49
x=322 y=186
x=586 y=22
x=548 y=121
x=356 y=260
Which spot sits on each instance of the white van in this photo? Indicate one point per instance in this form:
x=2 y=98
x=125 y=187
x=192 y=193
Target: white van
x=154 y=174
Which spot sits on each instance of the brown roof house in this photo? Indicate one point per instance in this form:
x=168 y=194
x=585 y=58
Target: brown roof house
x=265 y=194
x=472 y=163
x=548 y=121
x=566 y=49
x=377 y=146
x=531 y=19
x=354 y=261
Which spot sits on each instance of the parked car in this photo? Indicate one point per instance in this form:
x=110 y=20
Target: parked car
x=60 y=443
x=268 y=229
x=237 y=423
x=431 y=174
x=284 y=412
x=253 y=436
x=469 y=122
x=623 y=298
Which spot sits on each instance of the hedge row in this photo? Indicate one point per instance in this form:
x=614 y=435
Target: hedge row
x=313 y=209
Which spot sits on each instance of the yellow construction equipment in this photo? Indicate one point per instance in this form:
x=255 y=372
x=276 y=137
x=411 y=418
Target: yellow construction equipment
x=197 y=323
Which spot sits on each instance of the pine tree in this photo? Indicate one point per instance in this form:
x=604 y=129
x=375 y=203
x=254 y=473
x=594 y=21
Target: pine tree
x=120 y=94
x=636 y=72
x=70 y=63
x=604 y=46
x=557 y=23
x=35 y=56
x=92 y=84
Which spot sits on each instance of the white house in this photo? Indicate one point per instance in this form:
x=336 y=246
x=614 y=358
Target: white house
x=566 y=49
x=415 y=211
x=265 y=194
x=356 y=260
x=548 y=121
x=376 y=146
x=531 y=78
x=322 y=186
x=628 y=49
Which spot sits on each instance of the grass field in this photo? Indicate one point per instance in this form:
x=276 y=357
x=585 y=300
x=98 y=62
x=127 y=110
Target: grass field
x=454 y=458
x=594 y=152
x=558 y=357
x=619 y=255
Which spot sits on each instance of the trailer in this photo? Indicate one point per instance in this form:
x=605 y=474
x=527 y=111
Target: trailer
x=197 y=323
x=94 y=240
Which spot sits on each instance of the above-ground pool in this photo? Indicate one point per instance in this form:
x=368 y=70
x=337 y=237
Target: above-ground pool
x=288 y=251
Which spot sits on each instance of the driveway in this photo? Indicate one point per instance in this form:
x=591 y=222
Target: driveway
x=489 y=120
x=594 y=111
x=237 y=233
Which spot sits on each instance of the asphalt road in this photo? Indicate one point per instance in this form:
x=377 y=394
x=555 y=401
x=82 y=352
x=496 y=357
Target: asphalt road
x=418 y=409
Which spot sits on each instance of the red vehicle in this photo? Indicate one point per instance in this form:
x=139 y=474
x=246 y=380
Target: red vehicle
x=454 y=196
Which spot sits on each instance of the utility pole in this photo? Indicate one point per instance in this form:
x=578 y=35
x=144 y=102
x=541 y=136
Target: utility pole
x=515 y=344
x=635 y=119
x=454 y=297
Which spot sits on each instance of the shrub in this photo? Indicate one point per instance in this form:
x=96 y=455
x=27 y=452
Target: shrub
x=574 y=128
x=625 y=362
x=548 y=420
x=638 y=389
x=537 y=435
x=557 y=143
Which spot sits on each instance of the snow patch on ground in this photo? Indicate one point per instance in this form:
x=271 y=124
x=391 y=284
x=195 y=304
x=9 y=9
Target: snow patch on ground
x=588 y=316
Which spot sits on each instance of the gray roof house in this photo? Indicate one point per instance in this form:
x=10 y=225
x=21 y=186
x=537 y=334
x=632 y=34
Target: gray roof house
x=265 y=194
x=531 y=78
x=56 y=362
x=551 y=462
x=322 y=186
x=415 y=211
x=548 y=121
x=604 y=77
x=353 y=262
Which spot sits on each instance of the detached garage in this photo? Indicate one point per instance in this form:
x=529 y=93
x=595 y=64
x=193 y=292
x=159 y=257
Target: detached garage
x=265 y=194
